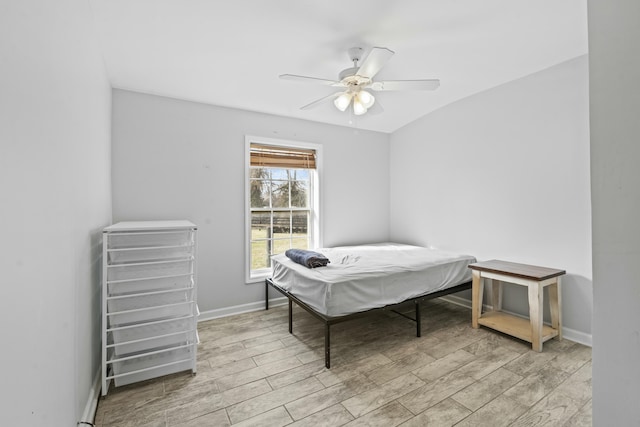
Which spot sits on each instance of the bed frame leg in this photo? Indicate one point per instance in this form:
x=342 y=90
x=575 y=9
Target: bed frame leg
x=266 y=295
x=290 y=316
x=327 y=346
x=418 y=325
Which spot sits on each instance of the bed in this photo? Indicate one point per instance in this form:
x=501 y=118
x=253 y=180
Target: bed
x=366 y=278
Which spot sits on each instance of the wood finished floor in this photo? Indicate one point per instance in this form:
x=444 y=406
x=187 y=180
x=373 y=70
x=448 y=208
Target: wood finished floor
x=252 y=372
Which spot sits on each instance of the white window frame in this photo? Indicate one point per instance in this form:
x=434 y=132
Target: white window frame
x=315 y=235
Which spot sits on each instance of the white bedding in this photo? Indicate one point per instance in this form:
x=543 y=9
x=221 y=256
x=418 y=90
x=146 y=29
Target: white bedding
x=359 y=278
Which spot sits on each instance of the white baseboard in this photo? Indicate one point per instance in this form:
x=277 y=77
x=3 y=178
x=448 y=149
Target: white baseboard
x=463 y=302
x=238 y=309
x=568 y=333
x=89 y=413
x=577 y=336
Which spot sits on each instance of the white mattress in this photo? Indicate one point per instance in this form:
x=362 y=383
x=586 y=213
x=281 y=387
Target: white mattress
x=359 y=278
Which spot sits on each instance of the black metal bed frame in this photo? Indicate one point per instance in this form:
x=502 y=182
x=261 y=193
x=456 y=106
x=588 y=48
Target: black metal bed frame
x=332 y=320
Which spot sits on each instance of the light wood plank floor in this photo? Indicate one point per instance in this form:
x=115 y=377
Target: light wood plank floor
x=252 y=372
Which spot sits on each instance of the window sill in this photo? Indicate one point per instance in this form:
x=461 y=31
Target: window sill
x=257 y=278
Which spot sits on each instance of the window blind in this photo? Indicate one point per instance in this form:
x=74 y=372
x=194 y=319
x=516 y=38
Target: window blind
x=282 y=157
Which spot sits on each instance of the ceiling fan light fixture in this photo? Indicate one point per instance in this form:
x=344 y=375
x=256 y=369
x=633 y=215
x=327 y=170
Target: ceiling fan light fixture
x=366 y=99
x=343 y=101
x=358 y=108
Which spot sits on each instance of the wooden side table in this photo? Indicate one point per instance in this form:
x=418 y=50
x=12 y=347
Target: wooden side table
x=535 y=279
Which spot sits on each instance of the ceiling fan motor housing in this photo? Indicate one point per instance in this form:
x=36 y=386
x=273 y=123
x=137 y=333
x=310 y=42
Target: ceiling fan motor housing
x=350 y=78
x=348 y=72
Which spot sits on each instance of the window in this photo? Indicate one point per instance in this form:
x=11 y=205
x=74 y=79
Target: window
x=282 y=200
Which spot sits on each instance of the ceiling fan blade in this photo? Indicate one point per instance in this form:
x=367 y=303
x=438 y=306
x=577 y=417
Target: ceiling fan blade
x=320 y=101
x=406 y=85
x=374 y=62
x=306 y=79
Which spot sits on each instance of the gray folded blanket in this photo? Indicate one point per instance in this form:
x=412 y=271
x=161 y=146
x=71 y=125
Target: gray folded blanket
x=309 y=259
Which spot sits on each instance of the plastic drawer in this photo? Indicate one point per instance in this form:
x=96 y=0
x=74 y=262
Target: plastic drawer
x=148 y=254
x=149 y=269
x=148 y=239
x=125 y=303
x=145 y=367
x=150 y=285
x=152 y=335
x=126 y=318
x=153 y=343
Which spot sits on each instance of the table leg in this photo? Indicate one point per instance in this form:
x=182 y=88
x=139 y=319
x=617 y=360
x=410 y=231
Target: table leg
x=496 y=294
x=535 y=315
x=555 y=301
x=476 y=298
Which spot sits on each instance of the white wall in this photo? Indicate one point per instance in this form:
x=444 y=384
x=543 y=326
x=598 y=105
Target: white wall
x=179 y=159
x=614 y=66
x=55 y=186
x=505 y=174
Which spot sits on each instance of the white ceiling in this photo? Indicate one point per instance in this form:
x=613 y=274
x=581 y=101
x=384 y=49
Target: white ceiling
x=230 y=53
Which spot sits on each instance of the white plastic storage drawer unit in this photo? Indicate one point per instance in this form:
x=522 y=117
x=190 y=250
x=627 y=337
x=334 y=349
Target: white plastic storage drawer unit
x=149 y=309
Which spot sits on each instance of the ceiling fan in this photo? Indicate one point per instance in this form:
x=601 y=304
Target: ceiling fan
x=356 y=79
